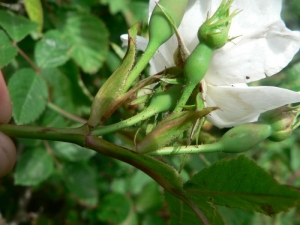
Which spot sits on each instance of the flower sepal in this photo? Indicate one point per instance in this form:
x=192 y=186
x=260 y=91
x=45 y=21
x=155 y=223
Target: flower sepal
x=170 y=128
x=214 y=31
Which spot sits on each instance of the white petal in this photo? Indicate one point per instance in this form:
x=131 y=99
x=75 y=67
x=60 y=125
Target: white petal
x=151 y=7
x=240 y=105
x=254 y=15
x=141 y=43
x=237 y=64
x=159 y=63
x=283 y=44
x=260 y=54
x=194 y=17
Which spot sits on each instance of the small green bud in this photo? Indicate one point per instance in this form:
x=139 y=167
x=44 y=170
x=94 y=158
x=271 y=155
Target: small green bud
x=283 y=120
x=214 y=31
x=194 y=70
x=244 y=137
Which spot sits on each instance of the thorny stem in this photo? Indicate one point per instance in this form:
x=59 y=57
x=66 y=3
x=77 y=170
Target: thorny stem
x=78 y=135
x=81 y=136
x=162 y=173
x=72 y=135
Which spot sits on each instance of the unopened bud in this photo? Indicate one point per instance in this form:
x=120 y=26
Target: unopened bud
x=283 y=120
x=244 y=137
x=214 y=31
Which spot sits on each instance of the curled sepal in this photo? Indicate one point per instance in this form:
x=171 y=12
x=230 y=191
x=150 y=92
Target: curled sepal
x=214 y=31
x=106 y=101
x=283 y=120
x=170 y=128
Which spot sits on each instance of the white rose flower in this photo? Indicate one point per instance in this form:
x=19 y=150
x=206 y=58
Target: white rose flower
x=263 y=46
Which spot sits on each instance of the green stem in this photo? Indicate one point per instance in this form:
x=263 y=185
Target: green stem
x=195 y=208
x=141 y=64
x=187 y=91
x=161 y=101
x=190 y=149
x=194 y=71
x=72 y=135
x=162 y=173
x=147 y=113
x=26 y=57
x=165 y=175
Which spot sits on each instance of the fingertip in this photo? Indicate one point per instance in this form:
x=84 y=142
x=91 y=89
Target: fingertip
x=8 y=154
x=5 y=102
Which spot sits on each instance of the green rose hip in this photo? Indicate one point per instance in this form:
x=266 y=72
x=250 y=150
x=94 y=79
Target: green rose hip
x=160 y=30
x=212 y=34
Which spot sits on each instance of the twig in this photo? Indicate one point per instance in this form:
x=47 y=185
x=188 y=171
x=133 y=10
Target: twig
x=25 y=56
x=65 y=113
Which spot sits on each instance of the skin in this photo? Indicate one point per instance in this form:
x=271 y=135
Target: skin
x=7 y=148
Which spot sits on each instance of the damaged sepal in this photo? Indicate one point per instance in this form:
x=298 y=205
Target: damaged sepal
x=108 y=97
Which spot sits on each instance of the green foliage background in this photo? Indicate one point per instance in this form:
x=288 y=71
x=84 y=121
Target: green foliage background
x=77 y=50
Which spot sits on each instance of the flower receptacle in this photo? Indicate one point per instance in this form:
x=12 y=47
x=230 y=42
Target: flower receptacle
x=160 y=29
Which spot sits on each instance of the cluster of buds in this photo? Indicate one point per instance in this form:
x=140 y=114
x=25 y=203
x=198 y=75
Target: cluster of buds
x=213 y=34
x=275 y=125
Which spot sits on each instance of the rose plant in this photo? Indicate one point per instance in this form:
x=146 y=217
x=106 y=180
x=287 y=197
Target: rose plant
x=204 y=57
